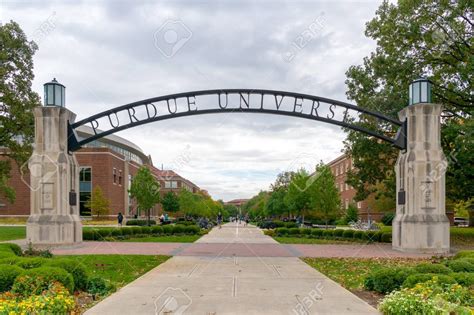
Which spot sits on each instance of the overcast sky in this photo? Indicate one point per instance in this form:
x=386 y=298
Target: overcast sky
x=112 y=53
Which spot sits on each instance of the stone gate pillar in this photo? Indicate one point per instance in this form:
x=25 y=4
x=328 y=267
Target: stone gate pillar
x=421 y=224
x=54 y=182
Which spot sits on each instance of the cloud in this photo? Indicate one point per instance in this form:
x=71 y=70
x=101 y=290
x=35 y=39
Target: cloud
x=106 y=54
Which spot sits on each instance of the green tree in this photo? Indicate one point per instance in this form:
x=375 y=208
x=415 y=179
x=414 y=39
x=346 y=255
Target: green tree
x=298 y=197
x=231 y=210
x=17 y=100
x=145 y=189
x=255 y=206
x=98 y=203
x=275 y=204
x=352 y=214
x=415 y=38
x=170 y=202
x=324 y=196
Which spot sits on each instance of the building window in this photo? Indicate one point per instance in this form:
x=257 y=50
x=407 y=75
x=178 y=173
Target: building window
x=359 y=205
x=114 y=172
x=347 y=203
x=337 y=170
x=171 y=184
x=85 y=189
x=120 y=178
x=346 y=186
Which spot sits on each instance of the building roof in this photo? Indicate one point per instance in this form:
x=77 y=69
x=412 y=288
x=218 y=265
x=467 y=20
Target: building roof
x=238 y=201
x=338 y=159
x=171 y=175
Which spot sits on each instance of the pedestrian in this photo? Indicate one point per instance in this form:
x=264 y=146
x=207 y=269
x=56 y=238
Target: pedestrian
x=246 y=219
x=120 y=218
x=219 y=220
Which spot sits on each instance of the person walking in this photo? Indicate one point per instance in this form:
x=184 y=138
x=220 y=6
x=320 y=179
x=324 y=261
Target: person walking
x=120 y=218
x=219 y=220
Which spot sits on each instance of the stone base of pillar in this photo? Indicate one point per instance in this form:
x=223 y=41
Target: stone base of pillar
x=53 y=230
x=427 y=234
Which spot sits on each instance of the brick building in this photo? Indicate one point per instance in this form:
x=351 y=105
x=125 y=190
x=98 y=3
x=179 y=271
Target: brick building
x=339 y=167
x=111 y=163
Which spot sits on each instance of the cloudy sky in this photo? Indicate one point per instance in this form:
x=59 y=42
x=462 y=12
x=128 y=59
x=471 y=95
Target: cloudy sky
x=113 y=53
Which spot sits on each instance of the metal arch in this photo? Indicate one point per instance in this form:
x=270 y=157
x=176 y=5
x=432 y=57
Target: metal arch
x=399 y=141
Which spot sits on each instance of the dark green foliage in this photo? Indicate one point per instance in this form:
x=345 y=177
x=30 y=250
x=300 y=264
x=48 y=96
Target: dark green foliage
x=168 y=229
x=30 y=263
x=8 y=249
x=145 y=230
x=338 y=232
x=283 y=231
x=294 y=231
x=386 y=237
x=305 y=232
x=352 y=214
x=192 y=230
x=126 y=231
x=89 y=235
x=98 y=286
x=136 y=230
x=387 y=219
x=157 y=230
x=460 y=265
x=178 y=229
x=170 y=202
x=465 y=279
x=290 y=225
x=116 y=232
x=432 y=268
x=387 y=280
x=328 y=234
x=464 y=254
x=348 y=234
x=413 y=279
x=140 y=222
x=8 y=273
x=9 y=260
x=34 y=281
x=74 y=267
x=358 y=235
x=317 y=232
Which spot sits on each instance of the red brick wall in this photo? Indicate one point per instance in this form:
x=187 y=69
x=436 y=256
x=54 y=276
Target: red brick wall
x=21 y=206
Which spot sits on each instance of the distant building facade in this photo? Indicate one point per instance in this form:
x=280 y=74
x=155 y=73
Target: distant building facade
x=111 y=163
x=237 y=202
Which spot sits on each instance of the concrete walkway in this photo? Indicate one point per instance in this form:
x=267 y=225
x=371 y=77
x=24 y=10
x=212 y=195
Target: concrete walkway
x=218 y=284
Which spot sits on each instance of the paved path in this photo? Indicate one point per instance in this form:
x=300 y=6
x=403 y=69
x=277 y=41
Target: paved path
x=222 y=283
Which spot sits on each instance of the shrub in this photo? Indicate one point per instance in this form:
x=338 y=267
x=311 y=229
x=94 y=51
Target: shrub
x=168 y=229
x=358 y=235
x=8 y=250
x=140 y=222
x=328 y=234
x=378 y=236
x=387 y=279
x=192 y=230
x=89 y=235
x=338 y=232
x=30 y=263
x=371 y=236
x=294 y=231
x=56 y=300
x=136 y=230
x=10 y=260
x=278 y=223
x=290 y=225
x=145 y=230
x=37 y=280
x=348 y=234
x=281 y=231
x=126 y=231
x=460 y=265
x=8 y=273
x=74 y=267
x=387 y=219
x=157 y=230
x=386 y=237
x=178 y=229
x=352 y=214
x=464 y=254
x=463 y=278
x=428 y=298
x=413 y=279
x=98 y=286
x=432 y=268
x=317 y=232
x=305 y=232
x=116 y=232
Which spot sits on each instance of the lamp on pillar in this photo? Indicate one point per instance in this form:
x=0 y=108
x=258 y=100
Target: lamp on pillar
x=54 y=94
x=420 y=91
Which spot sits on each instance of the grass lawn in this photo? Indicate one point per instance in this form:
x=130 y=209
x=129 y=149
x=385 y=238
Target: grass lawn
x=8 y=233
x=304 y=240
x=350 y=272
x=165 y=239
x=118 y=269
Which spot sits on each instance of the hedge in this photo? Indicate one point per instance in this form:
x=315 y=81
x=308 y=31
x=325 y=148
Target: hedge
x=99 y=234
x=460 y=265
x=463 y=278
x=74 y=267
x=35 y=281
x=387 y=280
x=432 y=268
x=370 y=236
x=9 y=250
x=140 y=222
x=8 y=273
x=413 y=279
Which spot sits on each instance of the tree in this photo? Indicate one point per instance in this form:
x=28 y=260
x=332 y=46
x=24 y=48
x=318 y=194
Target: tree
x=324 y=196
x=170 y=202
x=146 y=190
x=188 y=203
x=255 y=206
x=275 y=204
x=17 y=100
x=352 y=214
x=415 y=38
x=98 y=203
x=299 y=193
x=231 y=210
